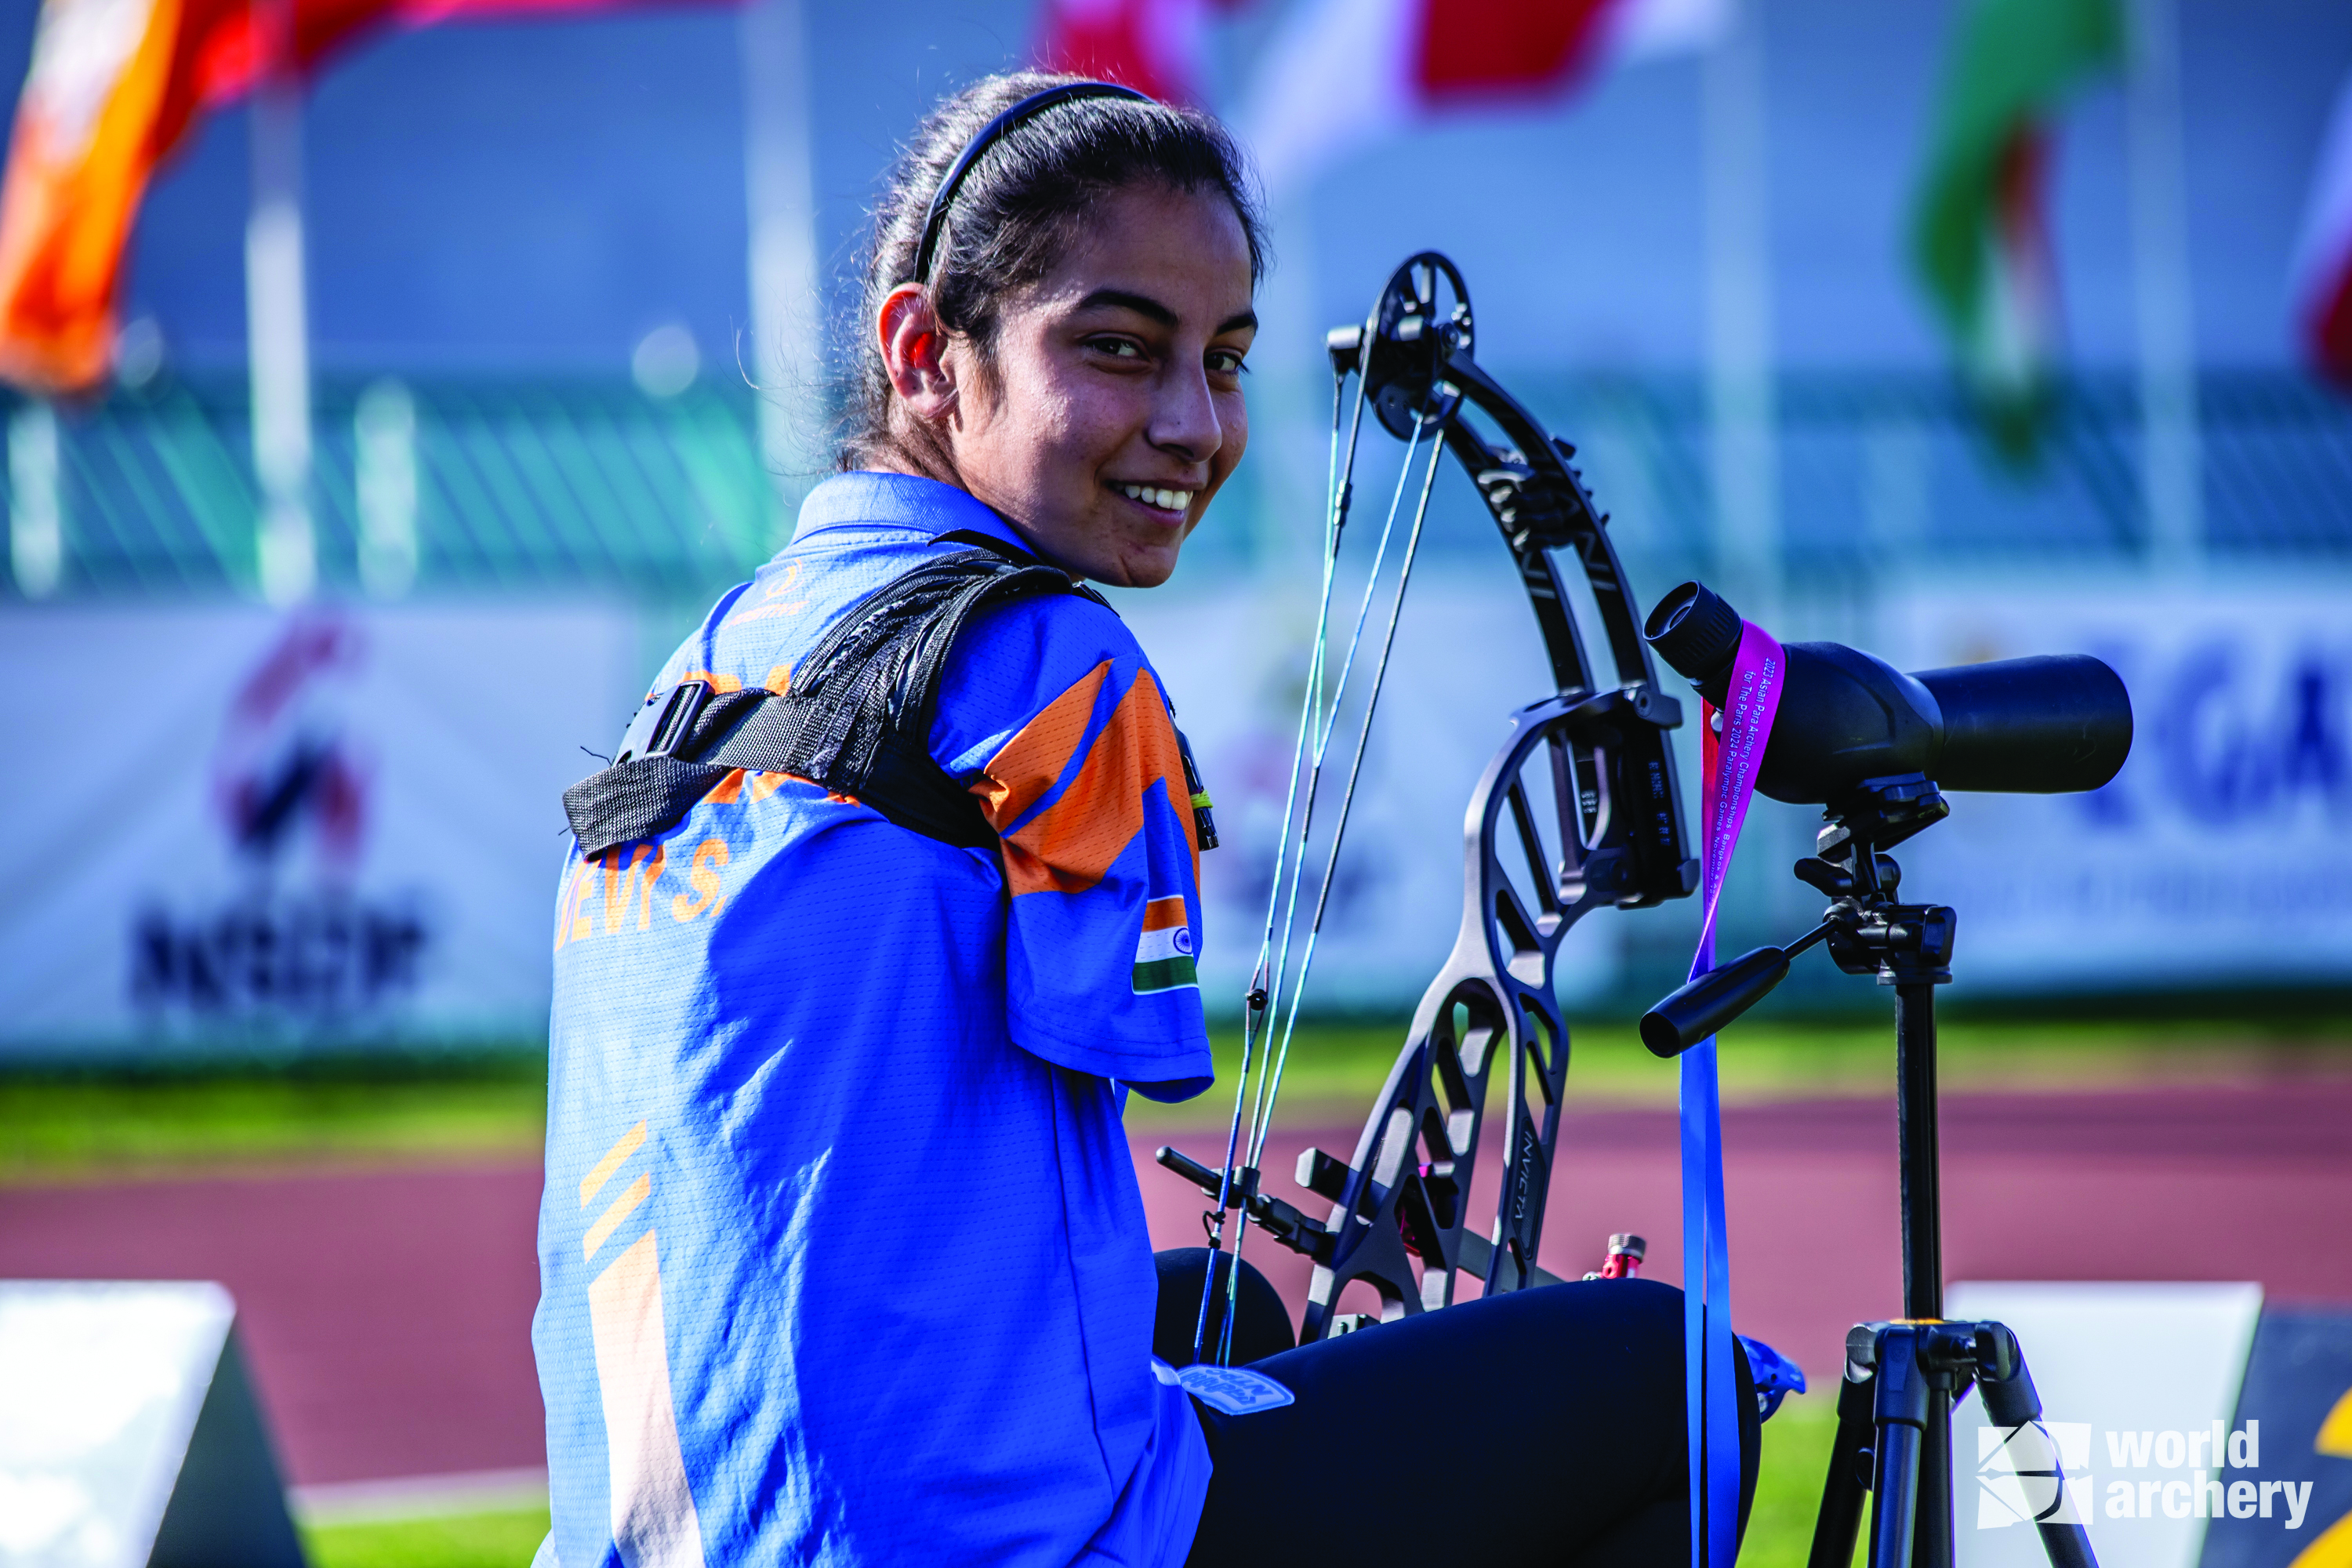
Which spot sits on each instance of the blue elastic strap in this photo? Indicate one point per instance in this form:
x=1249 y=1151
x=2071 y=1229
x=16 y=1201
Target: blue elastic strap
x=1712 y=1402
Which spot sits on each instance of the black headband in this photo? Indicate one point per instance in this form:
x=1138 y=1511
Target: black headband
x=990 y=134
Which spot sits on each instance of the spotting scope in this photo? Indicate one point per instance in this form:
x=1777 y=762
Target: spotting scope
x=2050 y=724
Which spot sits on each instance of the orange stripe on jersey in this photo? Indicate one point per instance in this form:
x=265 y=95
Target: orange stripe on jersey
x=1069 y=846
x=1030 y=764
x=727 y=791
x=1164 y=914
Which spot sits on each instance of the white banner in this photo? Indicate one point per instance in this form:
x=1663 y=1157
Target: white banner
x=2223 y=854
x=245 y=831
x=242 y=830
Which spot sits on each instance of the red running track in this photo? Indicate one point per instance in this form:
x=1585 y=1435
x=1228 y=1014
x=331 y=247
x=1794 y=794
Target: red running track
x=387 y=1313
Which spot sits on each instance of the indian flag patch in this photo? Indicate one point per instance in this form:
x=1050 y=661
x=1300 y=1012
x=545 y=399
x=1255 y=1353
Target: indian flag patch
x=1163 y=958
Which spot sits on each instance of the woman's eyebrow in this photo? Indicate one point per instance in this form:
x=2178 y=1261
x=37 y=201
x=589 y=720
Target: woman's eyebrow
x=1152 y=310
x=1121 y=299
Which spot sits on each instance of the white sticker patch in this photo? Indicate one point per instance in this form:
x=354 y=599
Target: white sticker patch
x=1233 y=1389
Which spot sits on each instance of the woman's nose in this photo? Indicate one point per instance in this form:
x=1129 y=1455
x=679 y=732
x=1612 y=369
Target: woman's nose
x=1184 y=417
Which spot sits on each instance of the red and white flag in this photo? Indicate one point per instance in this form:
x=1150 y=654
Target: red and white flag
x=2323 y=268
x=1341 y=73
x=1151 y=45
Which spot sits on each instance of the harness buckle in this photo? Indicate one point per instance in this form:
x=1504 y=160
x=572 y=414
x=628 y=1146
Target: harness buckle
x=664 y=722
x=685 y=706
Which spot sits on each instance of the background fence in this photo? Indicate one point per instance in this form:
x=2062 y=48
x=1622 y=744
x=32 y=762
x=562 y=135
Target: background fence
x=589 y=485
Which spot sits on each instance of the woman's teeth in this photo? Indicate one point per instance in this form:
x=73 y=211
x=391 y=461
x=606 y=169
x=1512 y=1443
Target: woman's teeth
x=1165 y=499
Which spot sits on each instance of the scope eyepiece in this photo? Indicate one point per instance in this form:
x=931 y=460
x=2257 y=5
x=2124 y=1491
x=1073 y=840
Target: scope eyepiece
x=1695 y=632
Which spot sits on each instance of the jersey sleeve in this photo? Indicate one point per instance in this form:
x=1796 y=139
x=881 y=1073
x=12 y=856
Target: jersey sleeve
x=1050 y=715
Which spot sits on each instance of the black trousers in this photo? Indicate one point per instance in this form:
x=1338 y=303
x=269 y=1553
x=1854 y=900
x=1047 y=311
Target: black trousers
x=1543 y=1427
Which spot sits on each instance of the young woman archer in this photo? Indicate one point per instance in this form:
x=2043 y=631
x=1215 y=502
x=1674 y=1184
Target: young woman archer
x=889 y=900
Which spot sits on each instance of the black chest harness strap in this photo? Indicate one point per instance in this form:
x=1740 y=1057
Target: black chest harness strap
x=856 y=719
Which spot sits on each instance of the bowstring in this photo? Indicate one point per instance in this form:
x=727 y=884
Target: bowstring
x=1272 y=1069
x=1338 y=481
x=1296 y=849
x=1265 y=1123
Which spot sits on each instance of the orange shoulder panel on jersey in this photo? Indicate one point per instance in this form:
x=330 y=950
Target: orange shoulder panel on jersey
x=1069 y=846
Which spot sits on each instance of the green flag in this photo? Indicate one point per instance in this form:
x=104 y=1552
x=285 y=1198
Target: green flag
x=1978 y=235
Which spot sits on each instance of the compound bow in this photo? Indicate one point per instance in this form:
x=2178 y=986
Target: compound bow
x=1400 y=1219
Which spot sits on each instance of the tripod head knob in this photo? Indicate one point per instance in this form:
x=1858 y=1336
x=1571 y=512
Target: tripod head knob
x=1835 y=882
x=1713 y=1000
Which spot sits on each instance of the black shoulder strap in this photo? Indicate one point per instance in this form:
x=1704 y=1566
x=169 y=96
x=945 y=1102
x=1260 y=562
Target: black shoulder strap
x=856 y=718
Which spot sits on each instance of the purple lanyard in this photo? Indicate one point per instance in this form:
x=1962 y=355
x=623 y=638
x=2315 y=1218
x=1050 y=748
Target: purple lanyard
x=1710 y=1379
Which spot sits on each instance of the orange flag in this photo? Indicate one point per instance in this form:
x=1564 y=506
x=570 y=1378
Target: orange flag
x=113 y=89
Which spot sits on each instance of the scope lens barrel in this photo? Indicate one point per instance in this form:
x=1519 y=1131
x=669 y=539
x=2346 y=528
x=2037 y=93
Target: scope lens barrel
x=2047 y=725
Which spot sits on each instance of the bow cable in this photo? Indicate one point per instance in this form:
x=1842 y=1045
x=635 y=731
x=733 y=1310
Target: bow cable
x=1319 y=718
x=1339 y=493
x=1271 y=1071
x=1294 y=851
x=1271 y=1091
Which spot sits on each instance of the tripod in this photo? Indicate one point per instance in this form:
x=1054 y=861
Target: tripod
x=1895 y=1402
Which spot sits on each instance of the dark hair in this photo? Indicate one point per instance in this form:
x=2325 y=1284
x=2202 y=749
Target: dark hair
x=1017 y=208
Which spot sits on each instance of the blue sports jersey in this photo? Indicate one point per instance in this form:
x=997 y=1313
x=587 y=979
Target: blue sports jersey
x=842 y=1255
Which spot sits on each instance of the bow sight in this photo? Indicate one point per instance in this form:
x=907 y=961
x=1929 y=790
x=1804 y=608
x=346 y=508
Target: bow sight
x=1584 y=782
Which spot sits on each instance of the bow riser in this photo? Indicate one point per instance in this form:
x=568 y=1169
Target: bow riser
x=1491 y=1008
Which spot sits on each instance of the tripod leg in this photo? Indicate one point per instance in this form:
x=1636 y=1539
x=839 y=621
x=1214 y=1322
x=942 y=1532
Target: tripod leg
x=1932 y=1544
x=2011 y=1401
x=1895 y=1502
x=1840 y=1521
x=1900 y=1408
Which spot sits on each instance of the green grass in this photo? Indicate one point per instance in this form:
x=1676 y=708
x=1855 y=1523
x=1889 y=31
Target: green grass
x=1335 y=1068
x=1779 y=1527
x=86 y=1126
x=1788 y=1483
x=89 y=1125
x=502 y=1540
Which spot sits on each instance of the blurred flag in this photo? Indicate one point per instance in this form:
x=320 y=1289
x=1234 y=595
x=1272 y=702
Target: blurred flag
x=1978 y=235
x=113 y=89
x=2323 y=270
x=1341 y=73
x=1151 y=45
x=112 y=85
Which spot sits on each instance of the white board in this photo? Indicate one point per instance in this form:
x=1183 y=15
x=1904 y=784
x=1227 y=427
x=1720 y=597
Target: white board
x=128 y=1434
x=2112 y=1363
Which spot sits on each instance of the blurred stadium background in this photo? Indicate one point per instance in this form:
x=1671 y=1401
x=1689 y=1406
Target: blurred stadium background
x=290 y=815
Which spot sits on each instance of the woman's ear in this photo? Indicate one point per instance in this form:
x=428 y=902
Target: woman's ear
x=914 y=351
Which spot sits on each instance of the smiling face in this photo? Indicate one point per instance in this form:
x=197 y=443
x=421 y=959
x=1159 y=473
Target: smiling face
x=1111 y=410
